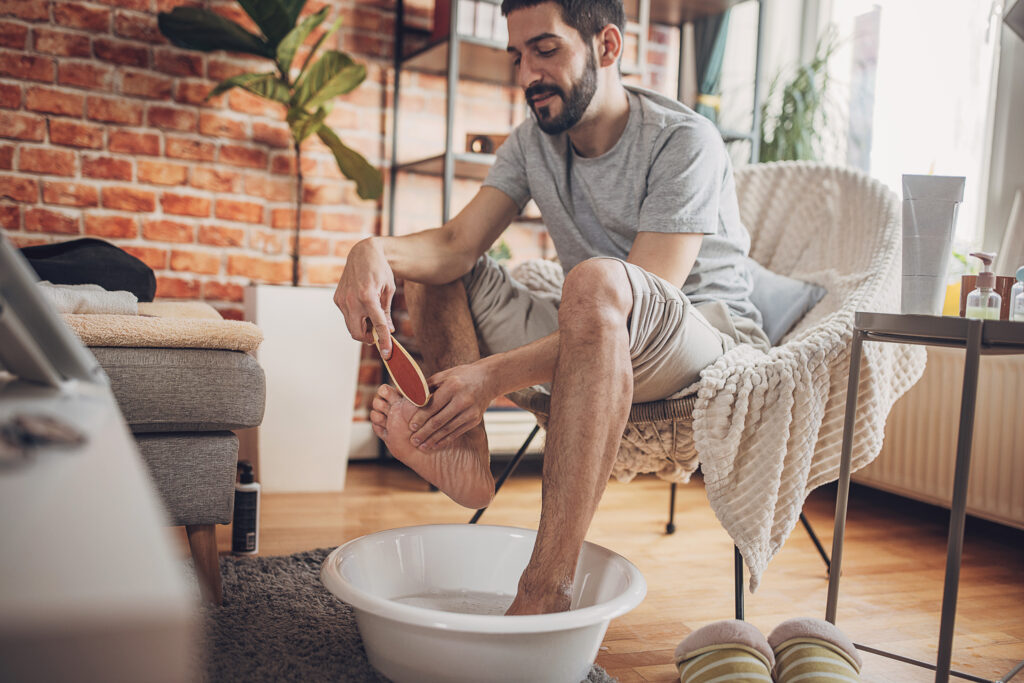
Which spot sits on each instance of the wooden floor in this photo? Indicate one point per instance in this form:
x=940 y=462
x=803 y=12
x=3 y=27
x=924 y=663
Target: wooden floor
x=892 y=579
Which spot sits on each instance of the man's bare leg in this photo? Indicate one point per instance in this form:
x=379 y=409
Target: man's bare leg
x=446 y=337
x=590 y=402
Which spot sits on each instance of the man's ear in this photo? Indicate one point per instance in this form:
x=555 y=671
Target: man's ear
x=609 y=45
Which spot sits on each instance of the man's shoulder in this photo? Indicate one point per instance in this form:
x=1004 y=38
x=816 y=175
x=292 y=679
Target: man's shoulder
x=665 y=116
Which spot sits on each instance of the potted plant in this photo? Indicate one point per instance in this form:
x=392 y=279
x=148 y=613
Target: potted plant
x=311 y=362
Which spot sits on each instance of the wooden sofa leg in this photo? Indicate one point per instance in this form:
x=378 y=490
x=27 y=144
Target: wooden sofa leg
x=202 y=541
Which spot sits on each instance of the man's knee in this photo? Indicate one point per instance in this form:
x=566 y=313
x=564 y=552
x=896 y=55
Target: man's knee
x=596 y=292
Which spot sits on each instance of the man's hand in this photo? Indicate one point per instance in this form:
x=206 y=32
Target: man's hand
x=460 y=397
x=364 y=295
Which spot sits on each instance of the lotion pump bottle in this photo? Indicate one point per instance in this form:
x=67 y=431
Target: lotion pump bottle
x=984 y=303
x=1017 y=298
x=245 y=525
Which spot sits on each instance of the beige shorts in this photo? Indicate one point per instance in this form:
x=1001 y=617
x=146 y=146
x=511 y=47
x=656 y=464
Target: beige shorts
x=670 y=339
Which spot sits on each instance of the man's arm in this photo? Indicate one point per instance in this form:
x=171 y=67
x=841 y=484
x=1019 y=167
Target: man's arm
x=437 y=256
x=463 y=393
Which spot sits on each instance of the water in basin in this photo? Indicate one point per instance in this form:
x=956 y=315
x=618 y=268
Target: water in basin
x=460 y=602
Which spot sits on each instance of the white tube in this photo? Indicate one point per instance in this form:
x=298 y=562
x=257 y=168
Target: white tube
x=930 y=205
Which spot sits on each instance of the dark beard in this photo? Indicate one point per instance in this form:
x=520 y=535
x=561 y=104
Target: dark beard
x=573 y=106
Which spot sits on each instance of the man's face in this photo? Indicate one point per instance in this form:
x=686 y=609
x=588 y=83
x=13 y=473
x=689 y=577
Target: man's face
x=556 y=68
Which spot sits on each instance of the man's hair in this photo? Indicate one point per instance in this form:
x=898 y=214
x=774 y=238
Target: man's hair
x=588 y=17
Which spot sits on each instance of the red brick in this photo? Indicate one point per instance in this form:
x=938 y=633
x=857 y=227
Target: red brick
x=145 y=84
x=10 y=218
x=129 y=142
x=76 y=134
x=10 y=96
x=177 y=62
x=176 y=288
x=219 y=126
x=120 y=52
x=323 y=273
x=314 y=246
x=129 y=199
x=7 y=157
x=151 y=256
x=344 y=222
x=246 y=103
x=272 y=134
x=233 y=313
x=215 y=179
x=257 y=268
x=139 y=26
x=103 y=225
x=22 y=126
x=283 y=164
x=172 y=118
x=108 y=168
x=26 y=67
x=146 y=5
x=233 y=210
x=44 y=220
x=52 y=101
x=370 y=373
x=219 y=68
x=46 y=160
x=223 y=291
x=13 y=35
x=270 y=188
x=268 y=242
x=284 y=219
x=85 y=75
x=221 y=236
x=161 y=173
x=30 y=10
x=185 y=205
x=195 y=92
x=114 y=110
x=82 y=15
x=19 y=188
x=161 y=5
x=70 y=194
x=168 y=231
x=316 y=193
x=63 y=43
x=202 y=262
x=343 y=247
x=193 y=150
x=249 y=157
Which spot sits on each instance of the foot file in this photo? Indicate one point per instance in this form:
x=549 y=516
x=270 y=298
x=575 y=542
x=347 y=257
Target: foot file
x=406 y=373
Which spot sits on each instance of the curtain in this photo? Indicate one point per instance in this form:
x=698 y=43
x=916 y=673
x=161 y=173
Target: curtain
x=709 y=44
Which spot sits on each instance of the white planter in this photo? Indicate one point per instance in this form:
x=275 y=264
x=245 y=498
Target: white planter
x=312 y=366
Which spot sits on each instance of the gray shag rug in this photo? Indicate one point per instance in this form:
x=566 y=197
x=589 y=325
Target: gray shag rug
x=279 y=623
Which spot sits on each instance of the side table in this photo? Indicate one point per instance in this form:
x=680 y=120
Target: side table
x=978 y=337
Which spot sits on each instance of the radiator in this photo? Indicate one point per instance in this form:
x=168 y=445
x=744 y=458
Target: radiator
x=919 y=452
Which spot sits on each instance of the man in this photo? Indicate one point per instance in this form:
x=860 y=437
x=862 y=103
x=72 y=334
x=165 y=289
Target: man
x=637 y=194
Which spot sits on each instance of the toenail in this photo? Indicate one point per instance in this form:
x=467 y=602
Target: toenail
x=416 y=441
x=414 y=426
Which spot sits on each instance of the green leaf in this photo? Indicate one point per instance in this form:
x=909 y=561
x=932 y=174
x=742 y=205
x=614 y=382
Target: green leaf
x=267 y=86
x=303 y=124
x=272 y=16
x=287 y=48
x=316 y=46
x=369 y=184
x=333 y=74
x=294 y=9
x=199 y=29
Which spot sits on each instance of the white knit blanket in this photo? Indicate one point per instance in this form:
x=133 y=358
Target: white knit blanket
x=768 y=426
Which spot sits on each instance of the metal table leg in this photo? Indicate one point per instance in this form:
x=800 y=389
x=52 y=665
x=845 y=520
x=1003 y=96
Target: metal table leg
x=958 y=509
x=843 y=494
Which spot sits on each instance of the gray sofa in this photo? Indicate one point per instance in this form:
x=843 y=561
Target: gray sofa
x=182 y=405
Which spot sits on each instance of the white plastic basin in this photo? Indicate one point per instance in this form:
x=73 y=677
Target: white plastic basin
x=430 y=601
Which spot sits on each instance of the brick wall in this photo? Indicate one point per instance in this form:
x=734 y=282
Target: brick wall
x=105 y=132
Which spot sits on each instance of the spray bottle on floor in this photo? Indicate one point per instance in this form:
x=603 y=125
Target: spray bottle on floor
x=984 y=303
x=245 y=525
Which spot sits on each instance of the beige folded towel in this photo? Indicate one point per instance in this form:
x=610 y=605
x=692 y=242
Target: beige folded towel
x=187 y=325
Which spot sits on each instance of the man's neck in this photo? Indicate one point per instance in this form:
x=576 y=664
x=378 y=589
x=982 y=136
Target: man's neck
x=596 y=134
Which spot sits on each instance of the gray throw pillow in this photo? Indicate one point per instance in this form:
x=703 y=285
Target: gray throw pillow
x=782 y=300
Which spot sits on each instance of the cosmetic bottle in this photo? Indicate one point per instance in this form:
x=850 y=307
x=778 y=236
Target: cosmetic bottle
x=984 y=302
x=1017 y=298
x=245 y=525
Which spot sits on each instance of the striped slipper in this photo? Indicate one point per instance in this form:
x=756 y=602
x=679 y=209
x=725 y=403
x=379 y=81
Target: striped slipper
x=732 y=651
x=813 y=651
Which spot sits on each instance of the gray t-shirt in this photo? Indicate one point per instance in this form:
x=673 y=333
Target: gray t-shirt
x=669 y=172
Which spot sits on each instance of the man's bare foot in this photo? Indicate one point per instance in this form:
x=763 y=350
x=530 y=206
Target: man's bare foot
x=461 y=471
x=531 y=601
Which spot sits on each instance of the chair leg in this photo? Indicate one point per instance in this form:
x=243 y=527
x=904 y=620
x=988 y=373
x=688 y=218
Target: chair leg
x=509 y=469
x=670 y=528
x=738 y=562
x=202 y=541
x=817 y=543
